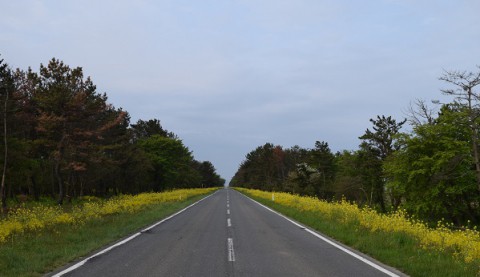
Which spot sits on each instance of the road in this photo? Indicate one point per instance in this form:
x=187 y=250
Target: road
x=226 y=234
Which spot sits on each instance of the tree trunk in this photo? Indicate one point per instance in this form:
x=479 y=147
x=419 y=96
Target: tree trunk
x=58 y=175
x=2 y=187
x=474 y=128
x=61 y=194
x=476 y=157
x=34 y=189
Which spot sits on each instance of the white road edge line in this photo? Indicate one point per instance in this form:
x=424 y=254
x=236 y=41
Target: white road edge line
x=228 y=211
x=370 y=263
x=229 y=222
x=231 y=253
x=79 y=264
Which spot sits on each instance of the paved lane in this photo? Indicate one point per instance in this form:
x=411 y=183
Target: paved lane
x=227 y=234
x=269 y=245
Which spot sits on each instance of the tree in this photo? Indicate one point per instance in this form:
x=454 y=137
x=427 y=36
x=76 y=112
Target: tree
x=27 y=150
x=172 y=163
x=71 y=119
x=323 y=160
x=359 y=177
x=6 y=88
x=303 y=180
x=349 y=180
x=61 y=138
x=145 y=129
x=209 y=176
x=108 y=158
x=263 y=168
x=432 y=169
x=419 y=113
x=382 y=138
x=380 y=143
x=294 y=156
x=465 y=95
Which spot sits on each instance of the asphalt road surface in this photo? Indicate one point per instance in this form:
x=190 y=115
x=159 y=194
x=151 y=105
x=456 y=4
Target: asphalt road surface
x=227 y=234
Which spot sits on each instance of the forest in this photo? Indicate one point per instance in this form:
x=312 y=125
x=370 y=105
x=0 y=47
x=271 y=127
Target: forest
x=61 y=138
x=432 y=170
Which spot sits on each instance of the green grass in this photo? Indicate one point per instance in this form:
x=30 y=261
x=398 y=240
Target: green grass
x=37 y=254
x=394 y=249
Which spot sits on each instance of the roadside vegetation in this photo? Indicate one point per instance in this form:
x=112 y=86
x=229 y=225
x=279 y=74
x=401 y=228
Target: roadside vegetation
x=76 y=173
x=60 y=138
x=395 y=238
x=410 y=198
x=40 y=238
x=431 y=170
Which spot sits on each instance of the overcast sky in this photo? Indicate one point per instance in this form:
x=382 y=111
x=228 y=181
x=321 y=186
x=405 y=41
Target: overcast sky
x=230 y=75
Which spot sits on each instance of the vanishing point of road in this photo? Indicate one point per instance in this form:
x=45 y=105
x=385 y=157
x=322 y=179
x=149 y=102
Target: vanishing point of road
x=228 y=234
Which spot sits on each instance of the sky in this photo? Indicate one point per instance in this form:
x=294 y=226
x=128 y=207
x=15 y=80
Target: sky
x=227 y=76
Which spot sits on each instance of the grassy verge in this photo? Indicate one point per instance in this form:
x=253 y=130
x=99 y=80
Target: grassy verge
x=34 y=254
x=396 y=249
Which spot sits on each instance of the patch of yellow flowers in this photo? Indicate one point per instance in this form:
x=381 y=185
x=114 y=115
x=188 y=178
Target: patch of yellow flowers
x=42 y=217
x=464 y=244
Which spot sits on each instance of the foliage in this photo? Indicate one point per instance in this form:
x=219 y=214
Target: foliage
x=72 y=117
x=380 y=144
x=172 y=163
x=41 y=217
x=432 y=172
x=40 y=253
x=358 y=177
x=66 y=141
x=463 y=244
x=145 y=129
x=304 y=171
x=468 y=99
x=262 y=167
x=208 y=174
x=382 y=139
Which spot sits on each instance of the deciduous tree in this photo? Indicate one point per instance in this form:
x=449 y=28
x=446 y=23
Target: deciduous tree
x=432 y=170
x=464 y=93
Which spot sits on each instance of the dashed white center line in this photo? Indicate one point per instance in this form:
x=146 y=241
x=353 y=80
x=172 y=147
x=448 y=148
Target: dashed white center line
x=231 y=253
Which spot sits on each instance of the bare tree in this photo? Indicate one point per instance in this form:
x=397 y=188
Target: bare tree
x=465 y=95
x=419 y=113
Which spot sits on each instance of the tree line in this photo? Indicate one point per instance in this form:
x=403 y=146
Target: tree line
x=432 y=171
x=61 y=138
